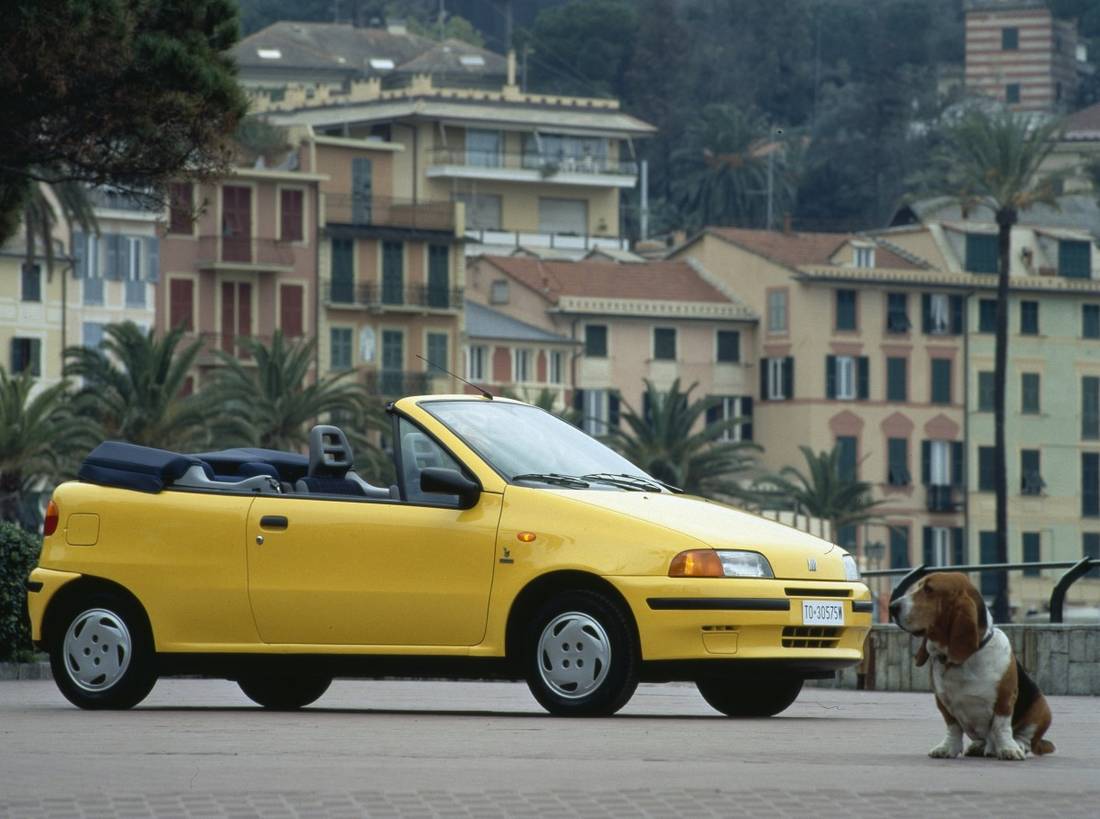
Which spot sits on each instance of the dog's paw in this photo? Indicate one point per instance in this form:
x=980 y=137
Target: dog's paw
x=976 y=748
x=945 y=750
x=1011 y=752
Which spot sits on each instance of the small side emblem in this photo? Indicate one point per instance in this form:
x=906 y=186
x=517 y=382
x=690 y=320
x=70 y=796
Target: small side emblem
x=811 y=564
x=507 y=556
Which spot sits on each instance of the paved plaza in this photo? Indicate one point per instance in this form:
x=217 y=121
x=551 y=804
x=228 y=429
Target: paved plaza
x=425 y=749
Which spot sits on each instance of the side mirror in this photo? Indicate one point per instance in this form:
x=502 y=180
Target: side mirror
x=436 y=480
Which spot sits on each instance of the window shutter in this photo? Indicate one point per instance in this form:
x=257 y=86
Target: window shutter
x=114 y=261
x=926 y=312
x=613 y=409
x=958 y=475
x=578 y=400
x=1090 y=407
x=926 y=462
x=16 y=356
x=36 y=357
x=864 y=390
x=788 y=377
x=714 y=411
x=152 y=259
x=830 y=376
x=958 y=547
x=746 y=412
x=764 y=378
x=80 y=256
x=958 y=316
x=1090 y=483
x=929 y=556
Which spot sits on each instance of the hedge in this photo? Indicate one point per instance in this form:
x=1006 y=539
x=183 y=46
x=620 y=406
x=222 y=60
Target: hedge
x=18 y=555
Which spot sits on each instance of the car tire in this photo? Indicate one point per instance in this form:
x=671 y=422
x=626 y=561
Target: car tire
x=750 y=696
x=101 y=651
x=580 y=655
x=284 y=692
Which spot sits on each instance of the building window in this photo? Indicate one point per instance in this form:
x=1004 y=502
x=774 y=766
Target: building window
x=475 y=364
x=438 y=356
x=1090 y=547
x=343 y=271
x=482 y=210
x=1029 y=393
x=1075 y=259
x=439 y=277
x=181 y=206
x=729 y=408
x=845 y=309
x=846 y=457
x=32 y=282
x=729 y=346
x=181 y=304
x=664 y=343
x=942 y=546
x=777 y=311
x=595 y=340
x=987 y=469
x=1090 y=320
x=291 y=215
x=1031 y=552
x=985 y=391
x=777 y=378
x=26 y=356
x=1010 y=38
x=1090 y=407
x=987 y=316
x=899 y=547
x=1031 y=479
x=847 y=377
x=393 y=273
x=521 y=366
x=1029 y=318
x=981 y=253
x=1090 y=484
x=864 y=256
x=483 y=148
x=498 y=292
x=943 y=314
x=1012 y=93
x=941 y=463
x=599 y=410
x=340 y=343
x=941 y=380
x=897 y=379
x=291 y=312
x=897 y=470
x=897 y=313
x=557 y=367
x=92 y=334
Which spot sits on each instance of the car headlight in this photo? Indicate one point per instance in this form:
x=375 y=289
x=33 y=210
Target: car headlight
x=851 y=568
x=724 y=563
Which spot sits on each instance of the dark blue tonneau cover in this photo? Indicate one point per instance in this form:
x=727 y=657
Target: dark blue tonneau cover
x=244 y=461
x=129 y=466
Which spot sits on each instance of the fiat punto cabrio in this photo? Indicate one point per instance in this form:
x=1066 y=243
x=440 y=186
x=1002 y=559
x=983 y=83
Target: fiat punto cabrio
x=511 y=546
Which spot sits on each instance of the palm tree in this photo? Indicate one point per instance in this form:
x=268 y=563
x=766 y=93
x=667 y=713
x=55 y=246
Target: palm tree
x=823 y=491
x=666 y=442
x=134 y=385
x=994 y=161
x=268 y=402
x=40 y=438
x=546 y=399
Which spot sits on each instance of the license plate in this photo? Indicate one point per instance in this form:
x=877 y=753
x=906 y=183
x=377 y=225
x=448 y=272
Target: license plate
x=822 y=613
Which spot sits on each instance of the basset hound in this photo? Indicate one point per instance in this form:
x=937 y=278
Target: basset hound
x=981 y=688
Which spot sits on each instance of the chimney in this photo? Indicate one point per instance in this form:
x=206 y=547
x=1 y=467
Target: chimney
x=787 y=223
x=511 y=66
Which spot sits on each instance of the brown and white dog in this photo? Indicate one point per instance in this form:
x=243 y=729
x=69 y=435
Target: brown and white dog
x=981 y=688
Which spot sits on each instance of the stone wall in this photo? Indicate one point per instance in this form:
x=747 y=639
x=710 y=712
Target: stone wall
x=1063 y=659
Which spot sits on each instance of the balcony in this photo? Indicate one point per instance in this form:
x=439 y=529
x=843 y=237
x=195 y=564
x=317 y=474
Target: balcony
x=251 y=254
x=388 y=212
x=417 y=297
x=592 y=171
x=941 y=499
x=232 y=344
x=397 y=383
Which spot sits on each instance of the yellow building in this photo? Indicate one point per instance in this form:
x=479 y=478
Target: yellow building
x=31 y=309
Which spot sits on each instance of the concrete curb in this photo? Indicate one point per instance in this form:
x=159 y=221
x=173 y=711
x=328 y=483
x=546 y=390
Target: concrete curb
x=26 y=671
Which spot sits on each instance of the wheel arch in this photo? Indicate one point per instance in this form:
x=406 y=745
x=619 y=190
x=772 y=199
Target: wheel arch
x=82 y=586
x=546 y=586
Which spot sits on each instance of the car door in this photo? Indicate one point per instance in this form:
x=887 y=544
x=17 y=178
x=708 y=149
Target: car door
x=353 y=571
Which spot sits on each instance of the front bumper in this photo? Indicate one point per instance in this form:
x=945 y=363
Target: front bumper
x=683 y=619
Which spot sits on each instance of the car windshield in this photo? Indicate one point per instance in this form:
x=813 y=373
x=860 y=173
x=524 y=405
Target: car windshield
x=521 y=440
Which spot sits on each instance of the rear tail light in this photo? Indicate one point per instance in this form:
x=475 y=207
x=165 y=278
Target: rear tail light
x=49 y=526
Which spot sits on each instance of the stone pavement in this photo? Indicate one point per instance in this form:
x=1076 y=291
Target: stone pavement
x=427 y=749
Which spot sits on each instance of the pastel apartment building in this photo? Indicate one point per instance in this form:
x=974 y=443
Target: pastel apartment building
x=615 y=326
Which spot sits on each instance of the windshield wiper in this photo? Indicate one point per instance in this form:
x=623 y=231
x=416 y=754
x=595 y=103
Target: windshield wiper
x=554 y=478
x=627 y=481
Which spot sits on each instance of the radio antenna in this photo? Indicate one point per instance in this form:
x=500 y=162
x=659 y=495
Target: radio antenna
x=484 y=392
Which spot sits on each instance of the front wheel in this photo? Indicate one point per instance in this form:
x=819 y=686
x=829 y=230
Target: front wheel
x=101 y=652
x=284 y=692
x=581 y=655
x=750 y=696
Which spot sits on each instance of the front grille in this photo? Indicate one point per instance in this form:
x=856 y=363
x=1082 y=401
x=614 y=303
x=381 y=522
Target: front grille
x=811 y=636
x=793 y=592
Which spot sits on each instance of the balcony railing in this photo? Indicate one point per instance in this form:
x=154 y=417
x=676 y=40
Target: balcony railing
x=941 y=498
x=547 y=166
x=214 y=251
x=384 y=211
x=397 y=383
x=350 y=294
x=232 y=344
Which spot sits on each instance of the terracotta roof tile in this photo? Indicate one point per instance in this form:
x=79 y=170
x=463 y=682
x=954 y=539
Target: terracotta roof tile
x=794 y=249
x=1084 y=124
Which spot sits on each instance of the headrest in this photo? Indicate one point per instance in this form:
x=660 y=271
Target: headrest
x=329 y=452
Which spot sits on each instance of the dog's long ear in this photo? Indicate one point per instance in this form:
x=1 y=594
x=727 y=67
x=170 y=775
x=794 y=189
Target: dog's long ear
x=922 y=654
x=963 y=635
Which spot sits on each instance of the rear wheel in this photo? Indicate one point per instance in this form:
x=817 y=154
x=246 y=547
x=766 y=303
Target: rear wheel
x=284 y=692
x=581 y=655
x=750 y=696
x=101 y=652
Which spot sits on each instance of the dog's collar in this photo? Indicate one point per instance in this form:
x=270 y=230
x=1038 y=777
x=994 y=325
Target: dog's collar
x=988 y=636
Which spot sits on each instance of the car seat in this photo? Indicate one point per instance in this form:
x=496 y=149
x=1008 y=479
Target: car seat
x=330 y=472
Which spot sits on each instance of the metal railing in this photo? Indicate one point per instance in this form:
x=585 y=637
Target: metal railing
x=1077 y=570
x=941 y=498
x=545 y=164
x=374 y=296
x=397 y=383
x=386 y=211
x=256 y=250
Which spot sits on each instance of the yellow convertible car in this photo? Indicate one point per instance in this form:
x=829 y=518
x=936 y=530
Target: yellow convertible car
x=512 y=546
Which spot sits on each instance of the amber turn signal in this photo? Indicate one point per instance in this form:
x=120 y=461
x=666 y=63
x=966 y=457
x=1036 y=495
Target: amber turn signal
x=49 y=526
x=696 y=563
x=525 y=537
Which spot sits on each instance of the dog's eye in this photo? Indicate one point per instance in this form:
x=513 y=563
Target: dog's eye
x=927 y=587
